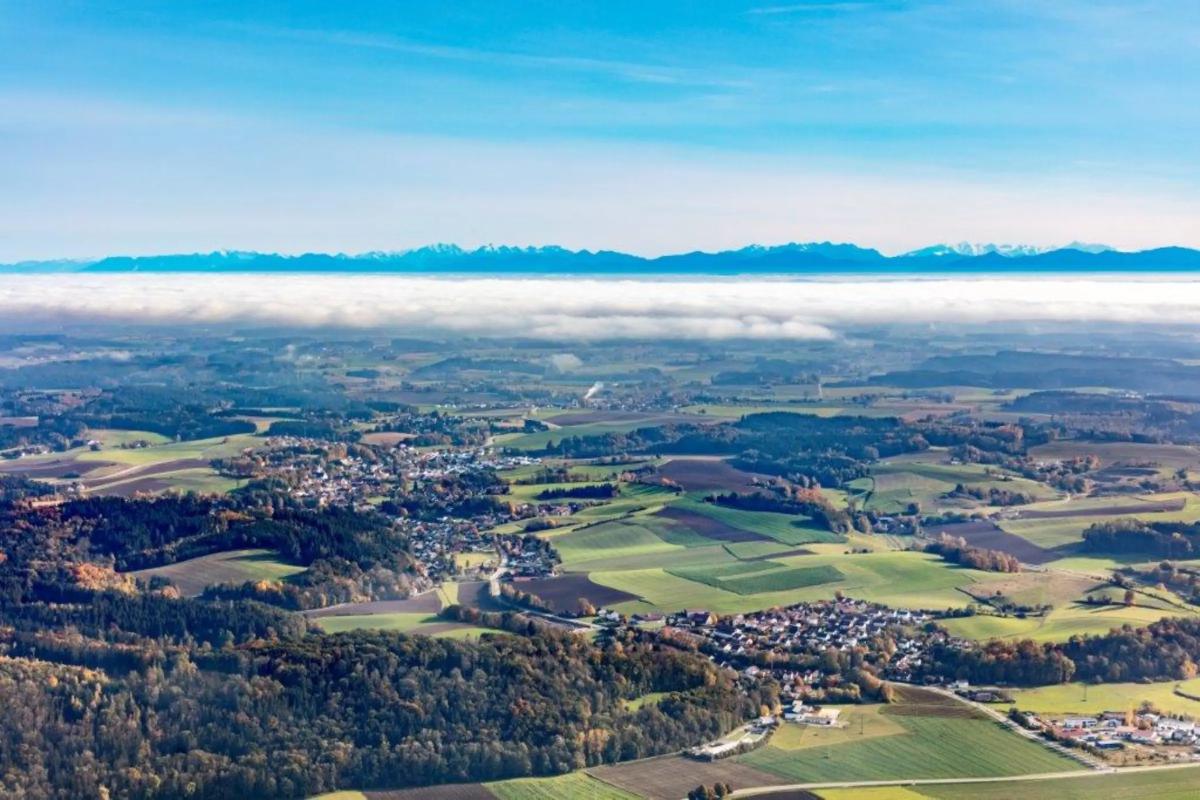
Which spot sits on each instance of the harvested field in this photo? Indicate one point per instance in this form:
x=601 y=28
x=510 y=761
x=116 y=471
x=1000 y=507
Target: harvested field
x=910 y=412
x=475 y=594
x=985 y=534
x=1104 y=511
x=1125 y=472
x=955 y=711
x=426 y=603
x=605 y=416
x=386 y=438
x=146 y=471
x=453 y=791
x=564 y=592
x=57 y=468
x=708 y=527
x=413 y=624
x=233 y=566
x=570 y=786
x=700 y=474
x=1170 y=456
x=1033 y=589
x=672 y=777
x=918 y=702
x=133 y=487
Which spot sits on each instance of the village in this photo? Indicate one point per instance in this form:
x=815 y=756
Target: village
x=401 y=478
x=1122 y=735
x=323 y=473
x=776 y=640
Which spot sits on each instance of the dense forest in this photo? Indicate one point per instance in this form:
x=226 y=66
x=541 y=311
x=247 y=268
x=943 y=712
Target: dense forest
x=596 y=491
x=291 y=717
x=1158 y=539
x=808 y=449
x=1165 y=650
x=55 y=551
x=118 y=688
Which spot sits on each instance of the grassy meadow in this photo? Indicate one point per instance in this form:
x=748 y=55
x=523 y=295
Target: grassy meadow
x=907 y=746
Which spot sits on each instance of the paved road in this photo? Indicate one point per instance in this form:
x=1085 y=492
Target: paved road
x=571 y=624
x=767 y=791
x=1087 y=759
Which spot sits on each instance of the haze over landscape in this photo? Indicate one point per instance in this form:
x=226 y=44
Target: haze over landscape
x=600 y=401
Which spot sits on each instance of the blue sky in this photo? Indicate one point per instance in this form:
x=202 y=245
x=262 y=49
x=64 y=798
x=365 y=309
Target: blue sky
x=139 y=127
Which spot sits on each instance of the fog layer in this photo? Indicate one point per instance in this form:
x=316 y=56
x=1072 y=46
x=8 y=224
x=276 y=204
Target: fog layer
x=587 y=308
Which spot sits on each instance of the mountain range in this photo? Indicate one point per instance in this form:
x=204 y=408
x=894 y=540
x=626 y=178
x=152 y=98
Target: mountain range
x=808 y=258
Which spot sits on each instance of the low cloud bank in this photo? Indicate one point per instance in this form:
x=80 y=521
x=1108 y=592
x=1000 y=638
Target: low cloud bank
x=588 y=309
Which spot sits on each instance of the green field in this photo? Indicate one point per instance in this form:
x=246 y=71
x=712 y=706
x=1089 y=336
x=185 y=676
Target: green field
x=112 y=437
x=539 y=440
x=414 y=623
x=745 y=550
x=758 y=577
x=219 y=447
x=635 y=537
x=871 y=793
x=112 y=467
x=899 y=579
x=713 y=575
x=1079 y=698
x=858 y=723
x=397 y=621
x=200 y=479
x=1164 y=784
x=1060 y=625
x=572 y=786
x=894 y=485
x=1060 y=531
x=929 y=747
x=723 y=411
x=783 y=528
x=650 y=698
x=233 y=566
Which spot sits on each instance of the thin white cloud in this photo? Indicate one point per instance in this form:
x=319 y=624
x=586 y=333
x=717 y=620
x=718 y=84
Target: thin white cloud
x=637 y=72
x=591 y=309
x=815 y=7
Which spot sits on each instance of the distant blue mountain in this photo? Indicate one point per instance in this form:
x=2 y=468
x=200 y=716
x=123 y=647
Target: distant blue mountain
x=789 y=259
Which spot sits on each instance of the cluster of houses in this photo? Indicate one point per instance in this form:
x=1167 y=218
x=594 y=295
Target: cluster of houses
x=1115 y=730
x=314 y=476
x=436 y=544
x=25 y=450
x=332 y=474
x=527 y=557
x=765 y=640
x=899 y=525
x=324 y=473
